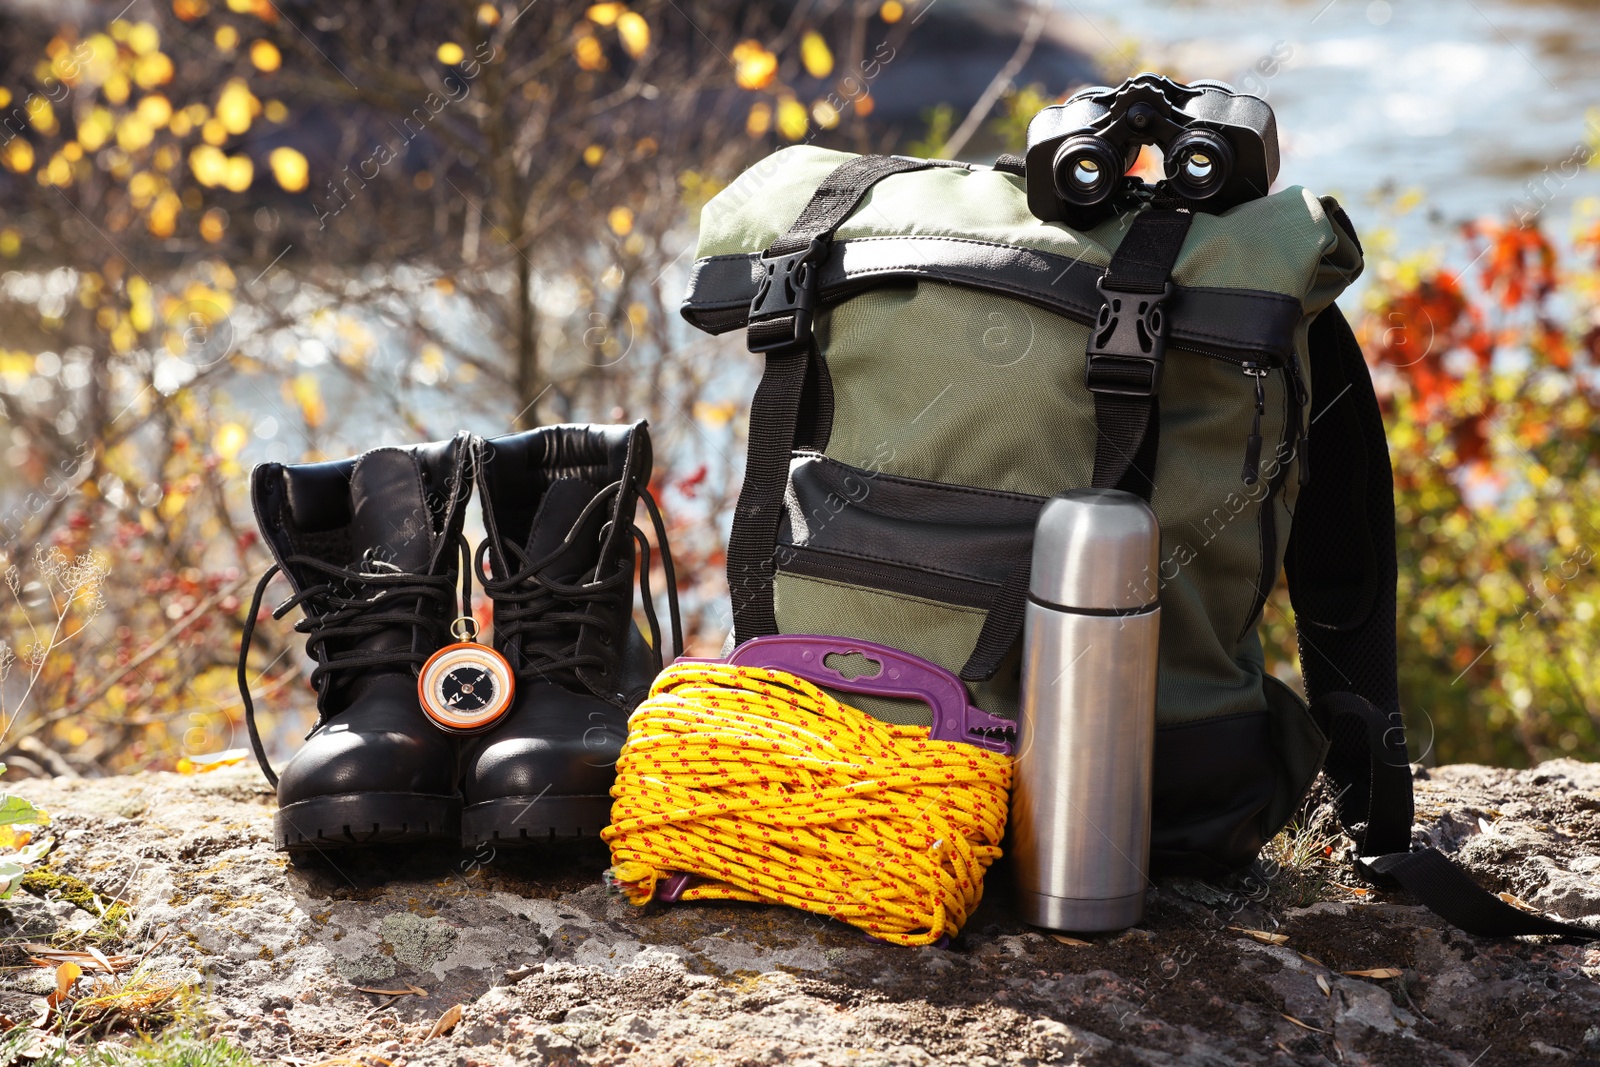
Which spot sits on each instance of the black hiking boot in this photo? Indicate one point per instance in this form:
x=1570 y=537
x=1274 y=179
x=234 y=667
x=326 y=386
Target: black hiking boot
x=373 y=549
x=558 y=507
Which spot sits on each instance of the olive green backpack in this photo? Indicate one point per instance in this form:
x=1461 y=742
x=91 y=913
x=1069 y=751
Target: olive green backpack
x=939 y=362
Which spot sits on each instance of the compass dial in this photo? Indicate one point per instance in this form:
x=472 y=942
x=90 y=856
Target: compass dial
x=465 y=688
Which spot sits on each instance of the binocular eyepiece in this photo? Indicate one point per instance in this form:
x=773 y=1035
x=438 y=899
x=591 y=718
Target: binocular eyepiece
x=1220 y=147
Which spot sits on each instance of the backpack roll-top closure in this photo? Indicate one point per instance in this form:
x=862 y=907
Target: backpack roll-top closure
x=946 y=397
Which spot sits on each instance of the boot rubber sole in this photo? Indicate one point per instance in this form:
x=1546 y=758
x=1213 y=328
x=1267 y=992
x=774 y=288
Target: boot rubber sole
x=531 y=820
x=355 y=820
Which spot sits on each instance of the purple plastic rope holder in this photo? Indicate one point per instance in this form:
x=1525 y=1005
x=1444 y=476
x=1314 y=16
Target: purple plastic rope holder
x=900 y=675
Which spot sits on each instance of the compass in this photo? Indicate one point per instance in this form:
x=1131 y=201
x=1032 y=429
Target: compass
x=466 y=687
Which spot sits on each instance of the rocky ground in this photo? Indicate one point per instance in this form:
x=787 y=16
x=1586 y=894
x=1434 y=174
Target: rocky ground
x=547 y=966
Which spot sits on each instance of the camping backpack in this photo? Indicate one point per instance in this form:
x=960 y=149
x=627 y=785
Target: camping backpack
x=939 y=361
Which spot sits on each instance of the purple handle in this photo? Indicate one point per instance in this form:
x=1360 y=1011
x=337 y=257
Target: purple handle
x=900 y=675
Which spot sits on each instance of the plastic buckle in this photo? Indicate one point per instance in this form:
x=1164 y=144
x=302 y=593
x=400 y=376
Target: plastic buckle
x=1128 y=344
x=786 y=298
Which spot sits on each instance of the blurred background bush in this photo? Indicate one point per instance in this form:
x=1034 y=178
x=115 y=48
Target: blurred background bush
x=239 y=230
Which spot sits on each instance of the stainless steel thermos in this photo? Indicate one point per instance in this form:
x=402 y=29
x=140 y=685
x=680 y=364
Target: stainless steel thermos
x=1080 y=805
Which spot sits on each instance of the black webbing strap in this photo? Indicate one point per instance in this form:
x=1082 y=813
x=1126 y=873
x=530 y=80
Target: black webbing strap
x=1127 y=347
x=780 y=326
x=1341 y=569
x=1442 y=887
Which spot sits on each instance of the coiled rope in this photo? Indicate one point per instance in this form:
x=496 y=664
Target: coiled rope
x=771 y=791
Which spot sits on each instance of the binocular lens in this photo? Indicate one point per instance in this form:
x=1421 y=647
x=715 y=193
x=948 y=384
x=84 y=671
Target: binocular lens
x=1087 y=169
x=1198 y=164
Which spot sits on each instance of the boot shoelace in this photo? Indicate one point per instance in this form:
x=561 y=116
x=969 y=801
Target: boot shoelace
x=345 y=608
x=529 y=603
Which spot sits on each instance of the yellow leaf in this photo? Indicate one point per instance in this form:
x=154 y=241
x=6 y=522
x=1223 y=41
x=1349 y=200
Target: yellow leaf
x=792 y=119
x=714 y=415
x=276 y=111
x=488 y=14
x=10 y=243
x=59 y=172
x=152 y=70
x=621 y=221
x=307 y=393
x=265 y=56
x=588 y=53
x=451 y=53
x=891 y=11
x=1075 y=942
x=289 y=168
x=226 y=38
x=66 y=975
x=116 y=89
x=5 y=96
x=634 y=33
x=133 y=133
x=144 y=39
x=172 y=505
x=825 y=114
x=1266 y=937
x=605 y=14
x=189 y=10
x=759 y=120
x=753 y=66
x=41 y=114
x=213 y=224
x=1376 y=972
x=19 y=155
x=208 y=164
x=593 y=155
x=236 y=106
x=241 y=172
x=815 y=55
x=155 y=110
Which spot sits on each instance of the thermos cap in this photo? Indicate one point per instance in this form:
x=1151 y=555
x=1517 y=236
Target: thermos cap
x=1096 y=550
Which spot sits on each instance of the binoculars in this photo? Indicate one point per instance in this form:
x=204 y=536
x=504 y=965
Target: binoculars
x=1220 y=148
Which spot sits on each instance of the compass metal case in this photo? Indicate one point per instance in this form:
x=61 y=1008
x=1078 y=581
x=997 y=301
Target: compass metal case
x=466 y=688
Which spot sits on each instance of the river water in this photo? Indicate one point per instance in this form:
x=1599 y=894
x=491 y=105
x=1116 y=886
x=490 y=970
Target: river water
x=1466 y=100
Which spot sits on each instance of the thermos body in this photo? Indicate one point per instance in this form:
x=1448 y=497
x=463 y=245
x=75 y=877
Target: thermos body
x=1080 y=806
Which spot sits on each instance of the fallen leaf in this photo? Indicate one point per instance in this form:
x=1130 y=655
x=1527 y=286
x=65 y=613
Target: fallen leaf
x=518 y=974
x=1322 y=984
x=1357 y=890
x=446 y=1023
x=1520 y=904
x=1305 y=1026
x=1065 y=940
x=66 y=975
x=1311 y=959
x=408 y=991
x=1266 y=937
x=1375 y=972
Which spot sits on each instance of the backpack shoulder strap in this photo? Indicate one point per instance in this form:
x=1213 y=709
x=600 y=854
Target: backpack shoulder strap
x=1341 y=570
x=780 y=328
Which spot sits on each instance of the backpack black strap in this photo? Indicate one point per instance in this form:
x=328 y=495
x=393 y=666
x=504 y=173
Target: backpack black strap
x=780 y=327
x=1126 y=352
x=1341 y=569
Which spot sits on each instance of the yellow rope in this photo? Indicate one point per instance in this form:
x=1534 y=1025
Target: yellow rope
x=771 y=791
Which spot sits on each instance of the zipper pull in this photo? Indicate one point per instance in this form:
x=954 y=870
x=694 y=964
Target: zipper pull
x=1252 y=444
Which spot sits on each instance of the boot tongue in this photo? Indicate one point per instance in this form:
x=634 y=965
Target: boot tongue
x=391 y=530
x=563 y=502
x=390 y=521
